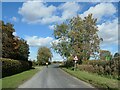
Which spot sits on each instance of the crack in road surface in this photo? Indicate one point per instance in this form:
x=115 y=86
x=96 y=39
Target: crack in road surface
x=54 y=77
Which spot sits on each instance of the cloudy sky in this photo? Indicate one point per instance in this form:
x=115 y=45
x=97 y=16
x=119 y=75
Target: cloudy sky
x=34 y=21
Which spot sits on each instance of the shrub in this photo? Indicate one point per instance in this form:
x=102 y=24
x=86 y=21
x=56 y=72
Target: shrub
x=69 y=63
x=101 y=70
x=102 y=67
x=98 y=62
x=34 y=63
x=96 y=68
x=10 y=67
x=107 y=70
x=88 y=68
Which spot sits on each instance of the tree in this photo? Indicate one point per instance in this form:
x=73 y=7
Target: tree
x=77 y=36
x=44 y=55
x=116 y=55
x=0 y=39
x=7 y=40
x=12 y=46
x=21 y=49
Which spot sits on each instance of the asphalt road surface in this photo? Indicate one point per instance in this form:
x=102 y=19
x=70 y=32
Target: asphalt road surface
x=54 y=77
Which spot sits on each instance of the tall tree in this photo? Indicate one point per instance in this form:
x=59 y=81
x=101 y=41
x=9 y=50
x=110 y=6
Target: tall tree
x=12 y=46
x=77 y=36
x=21 y=49
x=44 y=55
x=0 y=39
x=7 y=40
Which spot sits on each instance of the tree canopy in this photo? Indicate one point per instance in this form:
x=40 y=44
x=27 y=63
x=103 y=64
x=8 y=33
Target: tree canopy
x=12 y=46
x=77 y=36
x=44 y=55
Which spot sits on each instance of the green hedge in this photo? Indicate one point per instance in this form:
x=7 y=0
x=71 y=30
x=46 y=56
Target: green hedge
x=69 y=63
x=10 y=67
x=102 y=67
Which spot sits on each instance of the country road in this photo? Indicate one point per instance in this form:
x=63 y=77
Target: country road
x=54 y=77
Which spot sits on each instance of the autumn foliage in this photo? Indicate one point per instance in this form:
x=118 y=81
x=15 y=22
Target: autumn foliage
x=12 y=46
x=15 y=51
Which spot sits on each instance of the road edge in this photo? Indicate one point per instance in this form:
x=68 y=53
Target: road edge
x=88 y=84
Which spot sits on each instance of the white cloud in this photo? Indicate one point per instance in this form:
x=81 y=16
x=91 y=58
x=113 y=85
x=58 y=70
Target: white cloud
x=34 y=12
x=100 y=10
x=55 y=42
x=14 y=33
x=109 y=32
x=35 y=41
x=39 y=12
x=15 y=19
x=47 y=20
x=70 y=9
x=51 y=27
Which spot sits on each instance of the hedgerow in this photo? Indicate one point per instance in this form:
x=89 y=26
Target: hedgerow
x=10 y=66
x=102 y=67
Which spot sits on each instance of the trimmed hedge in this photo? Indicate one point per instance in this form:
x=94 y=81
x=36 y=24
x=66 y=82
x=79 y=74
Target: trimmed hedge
x=88 y=68
x=10 y=66
x=102 y=67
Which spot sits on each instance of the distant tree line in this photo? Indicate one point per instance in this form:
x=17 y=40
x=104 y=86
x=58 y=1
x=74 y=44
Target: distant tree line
x=13 y=47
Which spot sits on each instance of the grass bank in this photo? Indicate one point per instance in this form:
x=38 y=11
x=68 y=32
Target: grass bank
x=95 y=80
x=15 y=80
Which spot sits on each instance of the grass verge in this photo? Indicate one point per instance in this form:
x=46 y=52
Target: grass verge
x=0 y=84
x=15 y=80
x=95 y=80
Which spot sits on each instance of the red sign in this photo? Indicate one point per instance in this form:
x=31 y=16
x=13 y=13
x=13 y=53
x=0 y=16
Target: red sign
x=75 y=58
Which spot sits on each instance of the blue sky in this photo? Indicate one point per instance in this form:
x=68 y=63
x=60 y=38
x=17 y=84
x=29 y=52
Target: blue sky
x=34 y=21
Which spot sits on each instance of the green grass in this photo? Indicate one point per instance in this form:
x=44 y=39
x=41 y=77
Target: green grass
x=95 y=80
x=0 y=84
x=15 y=80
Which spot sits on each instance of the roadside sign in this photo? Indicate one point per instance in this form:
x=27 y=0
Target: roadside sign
x=75 y=65
x=75 y=58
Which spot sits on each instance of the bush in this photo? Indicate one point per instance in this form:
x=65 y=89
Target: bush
x=102 y=67
x=34 y=63
x=107 y=70
x=101 y=70
x=69 y=63
x=88 y=68
x=10 y=67
x=98 y=62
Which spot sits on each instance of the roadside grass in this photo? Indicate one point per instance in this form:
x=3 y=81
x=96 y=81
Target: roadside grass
x=15 y=80
x=95 y=80
x=0 y=84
